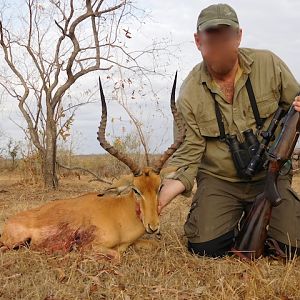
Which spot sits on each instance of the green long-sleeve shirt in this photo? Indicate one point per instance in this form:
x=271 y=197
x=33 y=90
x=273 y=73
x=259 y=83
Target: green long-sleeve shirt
x=273 y=85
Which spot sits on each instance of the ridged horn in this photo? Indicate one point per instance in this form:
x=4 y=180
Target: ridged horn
x=106 y=145
x=181 y=132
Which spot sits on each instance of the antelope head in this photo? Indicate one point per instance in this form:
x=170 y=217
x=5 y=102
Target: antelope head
x=145 y=182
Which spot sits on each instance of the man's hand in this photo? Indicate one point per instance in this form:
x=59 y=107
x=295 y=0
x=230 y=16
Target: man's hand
x=296 y=103
x=170 y=189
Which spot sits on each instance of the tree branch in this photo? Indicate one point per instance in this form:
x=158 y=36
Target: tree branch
x=23 y=98
x=84 y=170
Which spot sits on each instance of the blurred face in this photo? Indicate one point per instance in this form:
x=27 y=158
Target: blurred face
x=219 y=48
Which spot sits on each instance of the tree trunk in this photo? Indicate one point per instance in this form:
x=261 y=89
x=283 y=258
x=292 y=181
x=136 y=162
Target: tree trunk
x=49 y=157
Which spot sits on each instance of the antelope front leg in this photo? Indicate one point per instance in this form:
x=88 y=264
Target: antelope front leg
x=109 y=253
x=146 y=244
x=3 y=247
x=123 y=247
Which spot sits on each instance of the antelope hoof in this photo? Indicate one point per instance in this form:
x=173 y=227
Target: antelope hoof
x=3 y=248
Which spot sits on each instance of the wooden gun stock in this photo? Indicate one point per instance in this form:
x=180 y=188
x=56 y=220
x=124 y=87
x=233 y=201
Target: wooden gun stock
x=251 y=239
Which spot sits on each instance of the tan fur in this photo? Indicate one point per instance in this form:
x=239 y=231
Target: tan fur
x=98 y=222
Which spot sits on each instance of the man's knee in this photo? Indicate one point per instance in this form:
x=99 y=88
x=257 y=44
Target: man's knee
x=213 y=248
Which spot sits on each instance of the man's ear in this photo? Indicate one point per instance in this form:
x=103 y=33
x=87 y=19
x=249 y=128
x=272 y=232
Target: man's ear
x=197 y=38
x=240 y=34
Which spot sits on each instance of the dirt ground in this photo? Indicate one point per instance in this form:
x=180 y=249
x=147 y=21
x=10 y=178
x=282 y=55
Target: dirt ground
x=170 y=272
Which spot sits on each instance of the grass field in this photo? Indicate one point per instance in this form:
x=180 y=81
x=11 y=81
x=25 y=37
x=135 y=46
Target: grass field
x=170 y=272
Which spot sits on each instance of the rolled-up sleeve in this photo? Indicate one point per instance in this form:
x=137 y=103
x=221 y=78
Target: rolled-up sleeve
x=289 y=87
x=189 y=154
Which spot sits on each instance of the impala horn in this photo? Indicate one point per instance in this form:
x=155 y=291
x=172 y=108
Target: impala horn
x=106 y=145
x=181 y=132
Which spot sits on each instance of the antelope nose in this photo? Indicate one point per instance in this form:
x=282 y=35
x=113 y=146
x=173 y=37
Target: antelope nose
x=152 y=229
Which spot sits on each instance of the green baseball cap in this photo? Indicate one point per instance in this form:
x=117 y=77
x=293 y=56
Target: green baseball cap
x=215 y=15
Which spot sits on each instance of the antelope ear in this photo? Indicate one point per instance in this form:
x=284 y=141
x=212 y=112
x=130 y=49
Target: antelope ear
x=119 y=186
x=171 y=172
x=123 y=181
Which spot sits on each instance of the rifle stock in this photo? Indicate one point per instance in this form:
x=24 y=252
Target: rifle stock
x=251 y=239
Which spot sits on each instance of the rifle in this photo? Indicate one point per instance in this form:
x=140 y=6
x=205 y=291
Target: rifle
x=250 y=241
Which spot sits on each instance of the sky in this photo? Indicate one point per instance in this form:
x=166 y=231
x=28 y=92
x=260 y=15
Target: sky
x=267 y=24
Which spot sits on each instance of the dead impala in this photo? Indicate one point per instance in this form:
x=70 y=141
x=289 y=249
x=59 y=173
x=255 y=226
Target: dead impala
x=106 y=223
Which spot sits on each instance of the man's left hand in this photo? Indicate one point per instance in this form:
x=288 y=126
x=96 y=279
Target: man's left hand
x=296 y=103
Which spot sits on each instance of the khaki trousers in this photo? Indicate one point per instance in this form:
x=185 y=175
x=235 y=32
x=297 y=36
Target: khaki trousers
x=218 y=206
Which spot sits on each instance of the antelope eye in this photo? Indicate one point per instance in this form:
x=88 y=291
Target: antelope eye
x=160 y=187
x=136 y=191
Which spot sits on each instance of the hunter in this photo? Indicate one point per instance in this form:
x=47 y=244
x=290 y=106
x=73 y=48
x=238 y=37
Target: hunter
x=234 y=92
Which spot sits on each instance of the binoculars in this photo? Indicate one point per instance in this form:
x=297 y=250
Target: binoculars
x=242 y=153
x=249 y=156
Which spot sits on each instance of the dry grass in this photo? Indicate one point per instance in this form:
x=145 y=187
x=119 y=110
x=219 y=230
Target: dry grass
x=168 y=273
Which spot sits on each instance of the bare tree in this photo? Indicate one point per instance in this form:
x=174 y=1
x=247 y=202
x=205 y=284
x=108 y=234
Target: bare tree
x=13 y=148
x=51 y=47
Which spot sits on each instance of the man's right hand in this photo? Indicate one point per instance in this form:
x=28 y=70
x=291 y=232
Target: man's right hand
x=170 y=189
